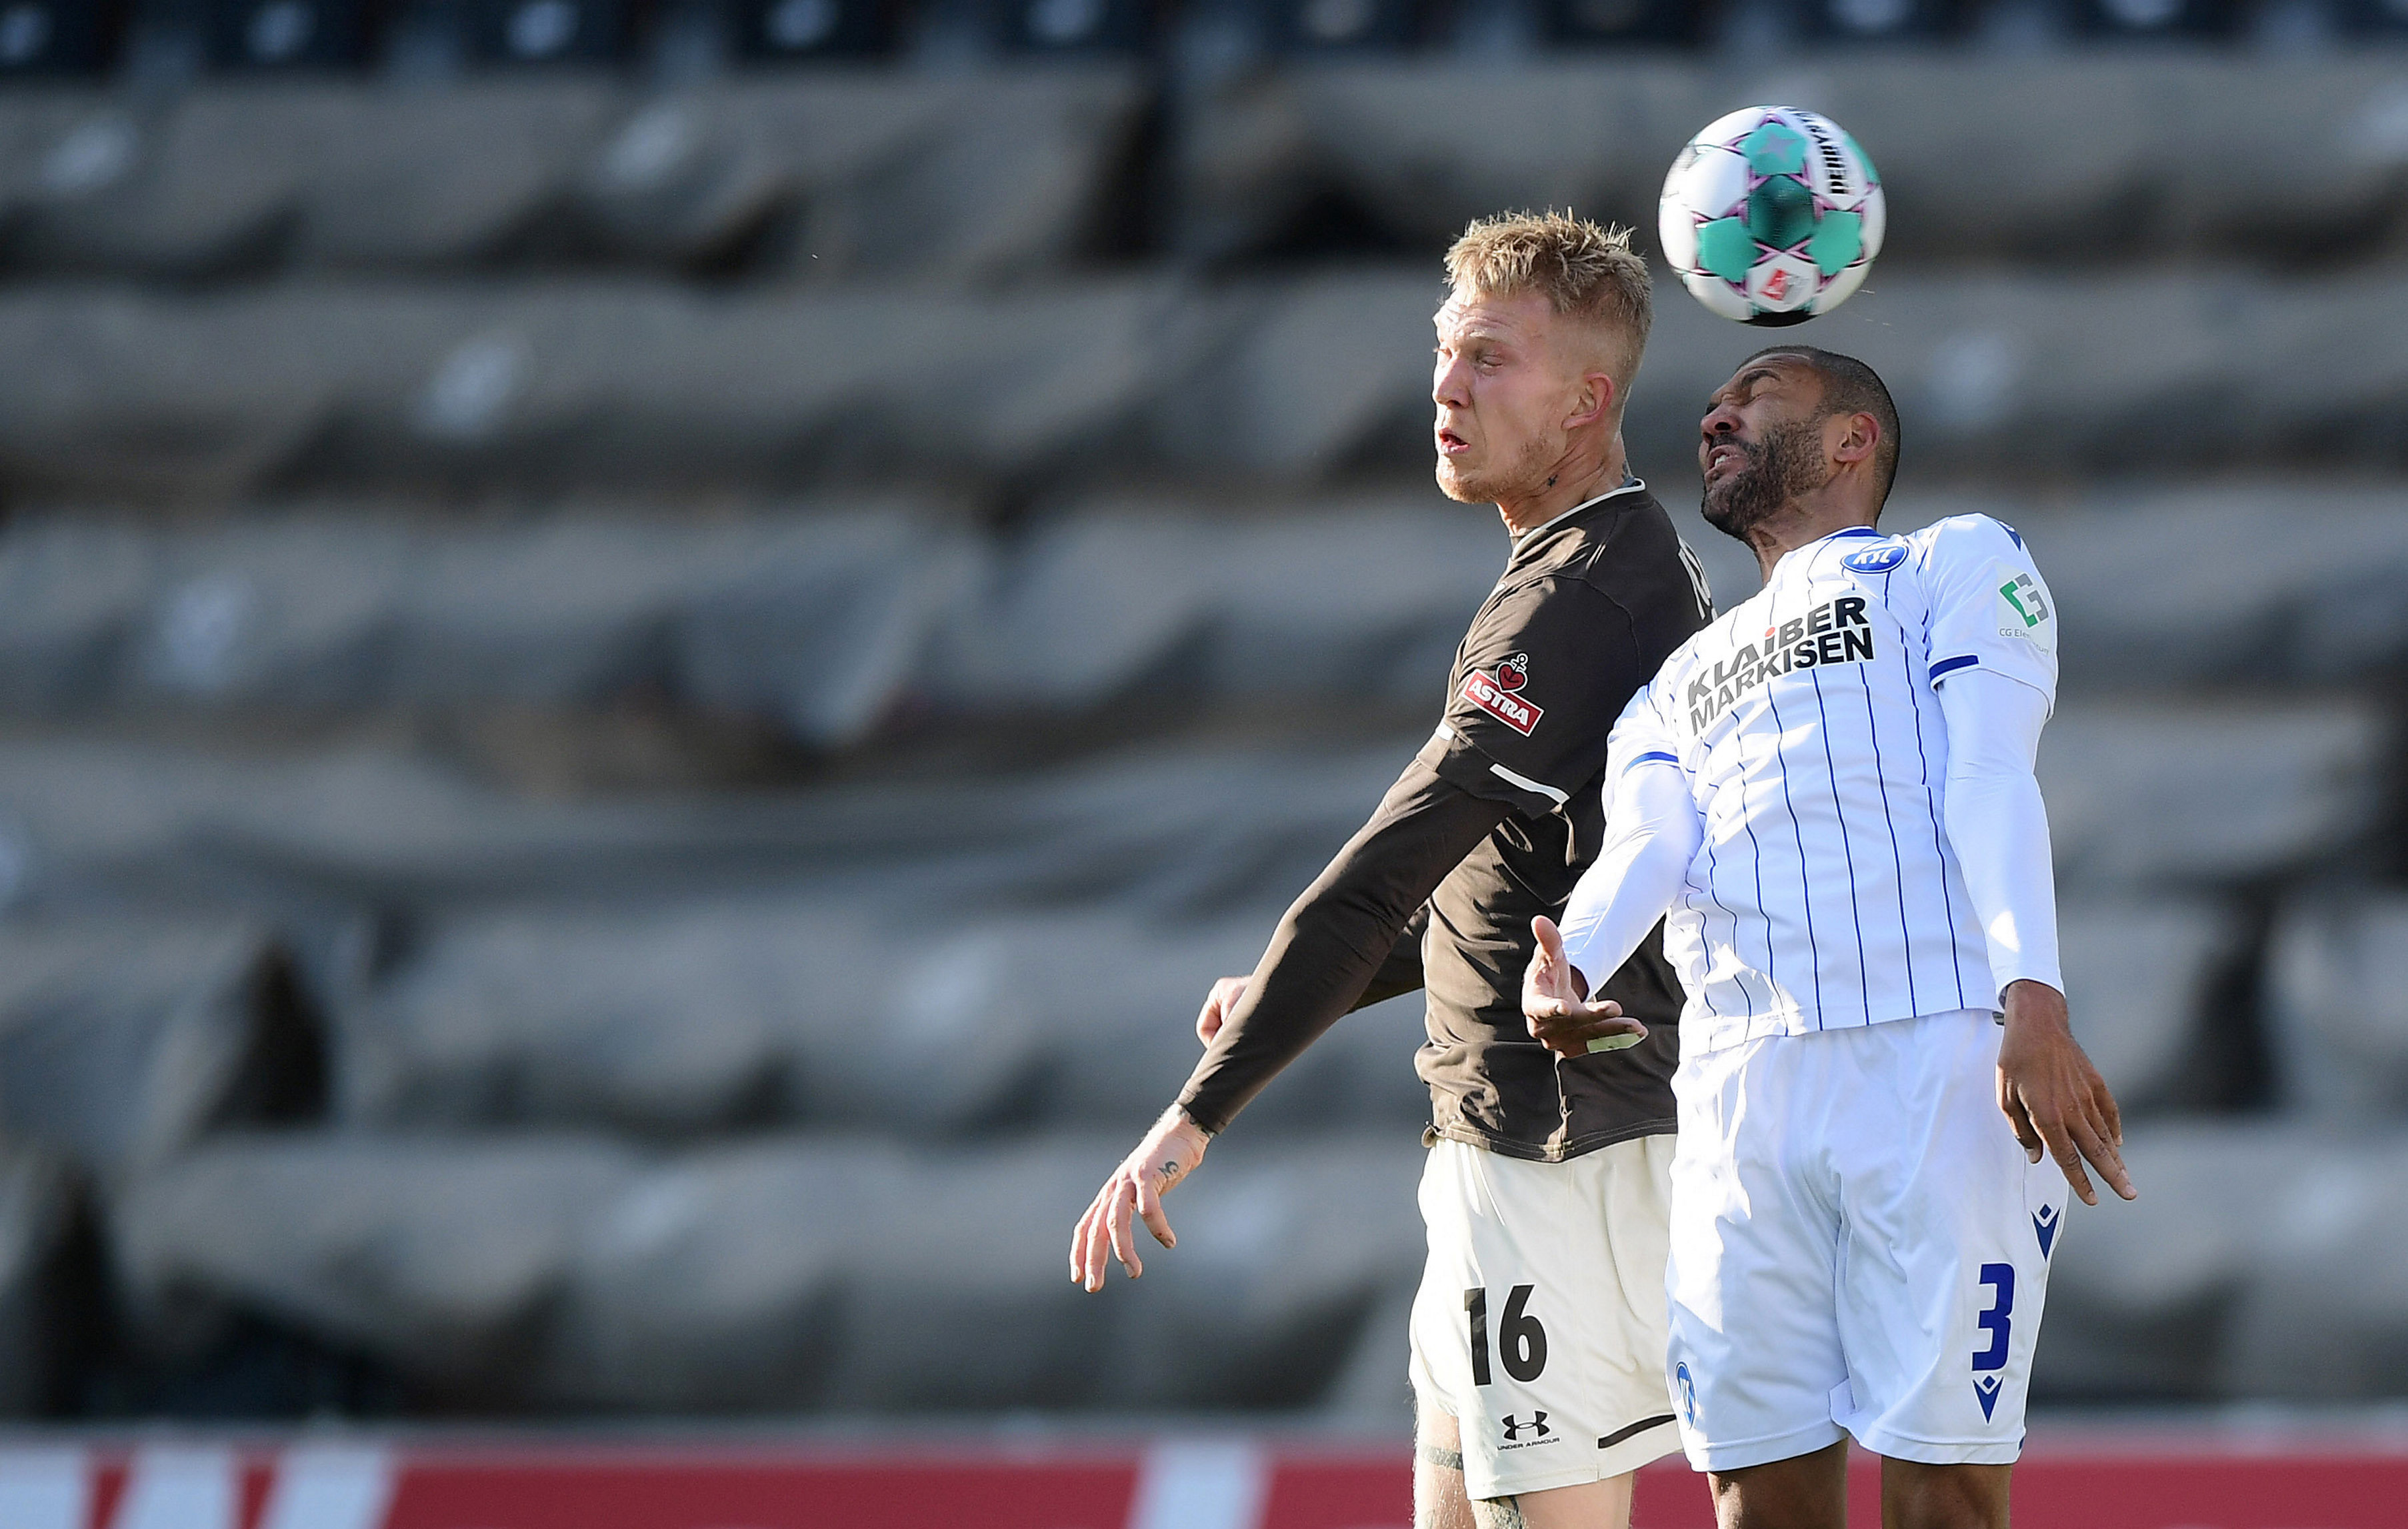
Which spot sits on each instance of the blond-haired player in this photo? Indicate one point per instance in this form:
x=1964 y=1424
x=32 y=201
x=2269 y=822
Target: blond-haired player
x=1538 y=1334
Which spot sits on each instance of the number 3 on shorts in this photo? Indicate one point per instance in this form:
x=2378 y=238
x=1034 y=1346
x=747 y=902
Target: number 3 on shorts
x=1997 y=1321
x=1524 y=1340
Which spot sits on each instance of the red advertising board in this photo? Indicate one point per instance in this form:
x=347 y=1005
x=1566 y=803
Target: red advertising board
x=2070 y=1479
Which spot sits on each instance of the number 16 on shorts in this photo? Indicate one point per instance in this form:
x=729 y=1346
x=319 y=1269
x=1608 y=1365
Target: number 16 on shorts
x=1521 y=1340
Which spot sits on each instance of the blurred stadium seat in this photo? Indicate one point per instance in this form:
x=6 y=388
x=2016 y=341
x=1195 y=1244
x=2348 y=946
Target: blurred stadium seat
x=2337 y=1006
x=2159 y=792
x=2142 y=976
x=1348 y=26
x=1886 y=20
x=124 y=1039
x=2134 y=19
x=45 y=38
x=790 y=30
x=1608 y=23
x=538 y=33
x=273 y=34
x=1074 y=27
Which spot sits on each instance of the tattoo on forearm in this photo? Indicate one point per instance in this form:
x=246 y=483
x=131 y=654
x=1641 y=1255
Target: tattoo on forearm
x=1444 y=1459
x=1498 y=1513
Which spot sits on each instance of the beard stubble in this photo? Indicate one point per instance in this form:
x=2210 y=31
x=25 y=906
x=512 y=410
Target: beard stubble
x=1519 y=479
x=1786 y=465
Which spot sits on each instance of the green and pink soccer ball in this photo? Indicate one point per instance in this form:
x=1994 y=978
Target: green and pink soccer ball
x=1772 y=215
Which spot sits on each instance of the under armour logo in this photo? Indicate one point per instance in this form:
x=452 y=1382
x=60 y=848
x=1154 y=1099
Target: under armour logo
x=2045 y=1228
x=1986 y=1391
x=1537 y=1426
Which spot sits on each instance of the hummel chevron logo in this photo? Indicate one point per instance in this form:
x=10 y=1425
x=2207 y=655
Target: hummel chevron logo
x=2045 y=1225
x=1986 y=1391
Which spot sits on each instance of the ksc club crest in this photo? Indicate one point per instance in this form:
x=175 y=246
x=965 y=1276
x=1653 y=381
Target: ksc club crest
x=1499 y=692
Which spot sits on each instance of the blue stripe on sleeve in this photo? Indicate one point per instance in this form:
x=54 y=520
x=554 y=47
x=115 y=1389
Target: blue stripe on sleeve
x=1949 y=666
x=1659 y=754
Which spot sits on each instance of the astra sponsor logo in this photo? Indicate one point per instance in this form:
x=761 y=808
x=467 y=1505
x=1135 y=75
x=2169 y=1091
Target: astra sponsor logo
x=1498 y=692
x=1833 y=632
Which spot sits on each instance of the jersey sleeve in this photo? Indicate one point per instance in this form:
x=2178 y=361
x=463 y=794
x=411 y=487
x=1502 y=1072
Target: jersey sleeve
x=1543 y=675
x=1988 y=604
x=1653 y=832
x=1642 y=735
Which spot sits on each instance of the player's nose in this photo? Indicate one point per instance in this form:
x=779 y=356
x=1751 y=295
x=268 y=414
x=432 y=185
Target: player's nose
x=1447 y=384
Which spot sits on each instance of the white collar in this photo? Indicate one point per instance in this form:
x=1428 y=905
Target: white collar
x=1828 y=536
x=1627 y=486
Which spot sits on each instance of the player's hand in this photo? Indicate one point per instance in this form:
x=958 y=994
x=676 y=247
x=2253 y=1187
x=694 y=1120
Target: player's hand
x=1218 y=1003
x=1555 y=1000
x=1168 y=1153
x=2054 y=1098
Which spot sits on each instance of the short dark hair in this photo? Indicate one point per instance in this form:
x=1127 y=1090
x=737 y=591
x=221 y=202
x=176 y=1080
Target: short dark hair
x=1851 y=387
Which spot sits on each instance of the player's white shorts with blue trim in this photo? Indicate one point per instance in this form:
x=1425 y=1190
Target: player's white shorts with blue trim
x=1859 y=1245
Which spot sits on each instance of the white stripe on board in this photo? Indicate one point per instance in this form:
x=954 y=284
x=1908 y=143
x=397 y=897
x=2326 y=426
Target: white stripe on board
x=330 y=1486
x=44 y=1489
x=1201 y=1486
x=181 y=1489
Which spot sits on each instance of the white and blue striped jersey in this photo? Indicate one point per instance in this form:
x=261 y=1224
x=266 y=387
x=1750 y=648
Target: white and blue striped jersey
x=1825 y=893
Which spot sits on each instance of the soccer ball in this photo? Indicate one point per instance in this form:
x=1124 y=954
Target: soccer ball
x=1772 y=215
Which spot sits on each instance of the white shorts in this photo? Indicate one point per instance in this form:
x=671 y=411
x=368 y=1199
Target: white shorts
x=1858 y=1246
x=1539 y=1323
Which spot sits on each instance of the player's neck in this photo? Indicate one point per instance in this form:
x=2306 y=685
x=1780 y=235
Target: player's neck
x=1572 y=483
x=1798 y=524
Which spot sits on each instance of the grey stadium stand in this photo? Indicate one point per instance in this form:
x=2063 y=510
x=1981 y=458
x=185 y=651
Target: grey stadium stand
x=567 y=385
x=718 y=1013
x=2197 y=793
x=583 y=1268
x=2337 y=1013
x=2141 y=977
x=2111 y=154
x=635 y=701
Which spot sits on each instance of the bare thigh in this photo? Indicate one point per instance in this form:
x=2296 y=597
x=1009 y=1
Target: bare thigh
x=1803 y=1491
x=1919 y=1496
x=1810 y=1492
x=1439 y=1501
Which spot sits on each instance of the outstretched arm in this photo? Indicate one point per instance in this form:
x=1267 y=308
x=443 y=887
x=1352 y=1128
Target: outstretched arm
x=1651 y=835
x=2052 y=1097
x=1326 y=952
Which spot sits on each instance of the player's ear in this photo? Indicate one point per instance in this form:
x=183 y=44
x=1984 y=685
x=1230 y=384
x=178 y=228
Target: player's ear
x=1594 y=401
x=1853 y=438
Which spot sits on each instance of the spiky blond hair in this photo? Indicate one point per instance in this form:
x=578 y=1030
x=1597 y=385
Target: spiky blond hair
x=1584 y=271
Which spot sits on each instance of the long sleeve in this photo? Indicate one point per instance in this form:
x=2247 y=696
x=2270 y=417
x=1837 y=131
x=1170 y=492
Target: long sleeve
x=1997 y=822
x=1342 y=932
x=1402 y=973
x=1651 y=835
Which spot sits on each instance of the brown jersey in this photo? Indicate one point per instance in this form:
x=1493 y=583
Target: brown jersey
x=1492 y=824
